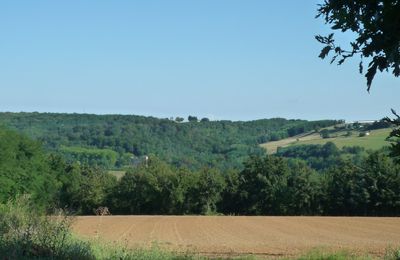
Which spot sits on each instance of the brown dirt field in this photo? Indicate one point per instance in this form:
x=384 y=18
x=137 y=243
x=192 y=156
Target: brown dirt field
x=233 y=235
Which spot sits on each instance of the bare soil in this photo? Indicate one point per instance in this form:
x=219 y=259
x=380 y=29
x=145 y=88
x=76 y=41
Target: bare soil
x=233 y=235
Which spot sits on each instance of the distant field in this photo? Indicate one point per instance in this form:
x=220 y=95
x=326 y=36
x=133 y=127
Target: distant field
x=118 y=174
x=375 y=140
x=233 y=235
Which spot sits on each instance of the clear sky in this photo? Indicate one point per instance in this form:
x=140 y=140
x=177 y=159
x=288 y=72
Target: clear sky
x=225 y=59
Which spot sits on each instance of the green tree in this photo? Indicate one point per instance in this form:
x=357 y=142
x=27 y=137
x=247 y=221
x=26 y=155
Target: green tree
x=179 y=119
x=394 y=136
x=262 y=185
x=192 y=119
x=24 y=169
x=324 y=133
x=303 y=191
x=229 y=204
x=382 y=179
x=346 y=190
x=208 y=191
x=94 y=188
x=148 y=189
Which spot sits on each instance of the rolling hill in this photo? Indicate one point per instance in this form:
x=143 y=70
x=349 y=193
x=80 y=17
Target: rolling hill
x=115 y=141
x=375 y=139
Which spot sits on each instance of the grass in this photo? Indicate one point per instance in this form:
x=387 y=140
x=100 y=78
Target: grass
x=341 y=255
x=391 y=254
x=118 y=174
x=374 y=141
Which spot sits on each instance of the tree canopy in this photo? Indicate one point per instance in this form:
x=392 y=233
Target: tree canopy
x=376 y=26
x=116 y=141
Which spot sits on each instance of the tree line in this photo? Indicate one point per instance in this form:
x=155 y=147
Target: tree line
x=264 y=185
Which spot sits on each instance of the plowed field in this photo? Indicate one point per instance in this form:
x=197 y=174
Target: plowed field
x=264 y=236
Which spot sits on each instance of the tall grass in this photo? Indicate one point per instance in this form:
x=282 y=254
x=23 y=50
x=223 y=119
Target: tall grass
x=27 y=234
x=391 y=254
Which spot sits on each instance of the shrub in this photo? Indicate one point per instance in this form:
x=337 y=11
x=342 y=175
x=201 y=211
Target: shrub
x=26 y=234
x=324 y=133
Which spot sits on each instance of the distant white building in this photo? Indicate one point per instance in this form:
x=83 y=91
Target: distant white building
x=362 y=122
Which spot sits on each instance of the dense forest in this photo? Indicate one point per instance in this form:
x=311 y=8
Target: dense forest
x=312 y=180
x=115 y=141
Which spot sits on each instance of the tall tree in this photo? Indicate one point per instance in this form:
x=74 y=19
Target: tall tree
x=24 y=169
x=346 y=189
x=303 y=190
x=262 y=185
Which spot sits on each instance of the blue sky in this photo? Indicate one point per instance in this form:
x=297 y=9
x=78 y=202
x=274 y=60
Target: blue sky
x=224 y=59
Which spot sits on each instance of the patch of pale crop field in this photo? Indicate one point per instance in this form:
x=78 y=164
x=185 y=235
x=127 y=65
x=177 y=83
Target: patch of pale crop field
x=117 y=174
x=374 y=141
x=240 y=235
x=273 y=146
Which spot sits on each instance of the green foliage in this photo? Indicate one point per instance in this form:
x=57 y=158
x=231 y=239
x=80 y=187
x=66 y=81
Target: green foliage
x=376 y=26
x=321 y=157
x=392 y=254
x=312 y=180
x=346 y=190
x=325 y=134
x=105 y=158
x=207 y=191
x=383 y=123
x=89 y=138
x=23 y=169
x=157 y=188
x=327 y=255
x=263 y=183
x=26 y=234
x=192 y=119
x=303 y=191
x=115 y=251
x=151 y=188
x=382 y=181
x=179 y=119
x=394 y=136
x=82 y=189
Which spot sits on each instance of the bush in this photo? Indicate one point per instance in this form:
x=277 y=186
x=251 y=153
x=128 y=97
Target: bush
x=324 y=134
x=27 y=234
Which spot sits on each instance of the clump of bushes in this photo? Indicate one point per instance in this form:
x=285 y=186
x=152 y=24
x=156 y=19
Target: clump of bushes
x=25 y=233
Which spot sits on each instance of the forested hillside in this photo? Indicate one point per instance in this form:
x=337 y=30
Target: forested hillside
x=114 y=141
x=311 y=180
